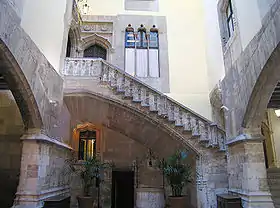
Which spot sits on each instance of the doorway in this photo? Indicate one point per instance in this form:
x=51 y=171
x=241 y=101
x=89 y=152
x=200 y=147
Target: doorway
x=122 y=189
x=95 y=51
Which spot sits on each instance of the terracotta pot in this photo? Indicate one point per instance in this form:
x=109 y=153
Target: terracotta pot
x=85 y=201
x=178 y=202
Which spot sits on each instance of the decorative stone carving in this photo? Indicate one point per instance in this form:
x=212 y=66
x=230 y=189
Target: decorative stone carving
x=82 y=67
x=97 y=27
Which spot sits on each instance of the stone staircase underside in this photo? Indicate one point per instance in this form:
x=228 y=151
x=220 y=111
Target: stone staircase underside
x=98 y=77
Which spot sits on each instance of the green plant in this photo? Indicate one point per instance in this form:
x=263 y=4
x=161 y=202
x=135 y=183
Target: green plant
x=89 y=171
x=177 y=172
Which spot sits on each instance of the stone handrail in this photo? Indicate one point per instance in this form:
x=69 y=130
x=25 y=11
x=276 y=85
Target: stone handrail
x=165 y=106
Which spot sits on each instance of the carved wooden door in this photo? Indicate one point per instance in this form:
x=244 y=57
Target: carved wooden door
x=95 y=51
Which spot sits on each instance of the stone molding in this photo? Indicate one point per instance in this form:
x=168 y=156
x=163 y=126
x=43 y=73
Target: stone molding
x=244 y=138
x=254 y=199
x=31 y=197
x=36 y=135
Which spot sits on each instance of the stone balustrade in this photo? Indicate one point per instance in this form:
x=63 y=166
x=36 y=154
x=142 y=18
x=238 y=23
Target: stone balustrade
x=202 y=128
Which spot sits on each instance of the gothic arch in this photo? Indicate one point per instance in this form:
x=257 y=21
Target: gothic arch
x=98 y=40
x=20 y=88
x=74 y=37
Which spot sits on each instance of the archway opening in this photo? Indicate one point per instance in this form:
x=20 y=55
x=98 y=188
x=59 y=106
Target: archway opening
x=131 y=141
x=11 y=129
x=18 y=112
x=95 y=51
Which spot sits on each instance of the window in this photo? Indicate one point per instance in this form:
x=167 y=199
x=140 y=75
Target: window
x=87 y=144
x=68 y=49
x=141 y=42
x=230 y=17
x=142 y=51
x=95 y=51
x=153 y=44
x=129 y=37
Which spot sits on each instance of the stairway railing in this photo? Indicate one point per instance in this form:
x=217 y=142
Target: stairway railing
x=138 y=91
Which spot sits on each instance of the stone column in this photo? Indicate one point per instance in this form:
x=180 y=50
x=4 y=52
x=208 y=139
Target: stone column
x=36 y=183
x=247 y=172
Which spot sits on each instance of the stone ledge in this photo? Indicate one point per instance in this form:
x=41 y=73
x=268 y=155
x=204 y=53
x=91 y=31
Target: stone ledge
x=44 y=138
x=250 y=198
x=243 y=138
x=32 y=197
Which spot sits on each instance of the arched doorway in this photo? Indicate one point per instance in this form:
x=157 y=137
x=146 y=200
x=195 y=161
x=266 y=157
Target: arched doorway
x=95 y=51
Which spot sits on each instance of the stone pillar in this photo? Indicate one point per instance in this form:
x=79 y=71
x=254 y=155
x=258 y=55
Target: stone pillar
x=247 y=172
x=36 y=181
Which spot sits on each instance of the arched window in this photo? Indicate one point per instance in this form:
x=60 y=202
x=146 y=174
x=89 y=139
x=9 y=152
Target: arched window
x=95 y=51
x=68 y=50
x=153 y=38
x=142 y=38
x=129 y=37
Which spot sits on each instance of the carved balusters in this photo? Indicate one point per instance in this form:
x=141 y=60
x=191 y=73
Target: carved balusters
x=195 y=126
x=203 y=131
x=105 y=73
x=162 y=105
x=120 y=82
x=144 y=96
x=136 y=93
x=128 y=87
x=152 y=102
x=170 y=111
x=113 y=78
x=214 y=135
x=187 y=124
x=178 y=116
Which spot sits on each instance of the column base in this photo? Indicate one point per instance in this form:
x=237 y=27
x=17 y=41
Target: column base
x=254 y=199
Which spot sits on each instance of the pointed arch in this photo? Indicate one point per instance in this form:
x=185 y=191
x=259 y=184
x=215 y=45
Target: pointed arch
x=96 y=40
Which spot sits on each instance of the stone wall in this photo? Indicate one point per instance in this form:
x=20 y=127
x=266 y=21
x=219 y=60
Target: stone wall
x=38 y=87
x=243 y=74
x=124 y=152
x=11 y=129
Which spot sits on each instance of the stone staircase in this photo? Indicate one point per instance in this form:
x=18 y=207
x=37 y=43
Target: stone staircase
x=136 y=93
x=273 y=178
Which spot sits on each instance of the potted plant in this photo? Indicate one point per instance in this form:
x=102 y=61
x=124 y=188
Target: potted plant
x=178 y=174
x=89 y=171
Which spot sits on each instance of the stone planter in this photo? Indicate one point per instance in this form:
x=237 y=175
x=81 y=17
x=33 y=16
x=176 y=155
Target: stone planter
x=150 y=197
x=85 y=201
x=178 y=202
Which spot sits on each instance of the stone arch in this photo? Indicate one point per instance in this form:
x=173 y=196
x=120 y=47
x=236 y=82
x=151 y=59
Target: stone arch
x=77 y=100
x=96 y=40
x=262 y=91
x=20 y=88
x=74 y=38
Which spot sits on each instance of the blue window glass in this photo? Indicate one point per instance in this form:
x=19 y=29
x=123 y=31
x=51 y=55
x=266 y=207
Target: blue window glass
x=141 y=38
x=129 y=40
x=154 y=40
